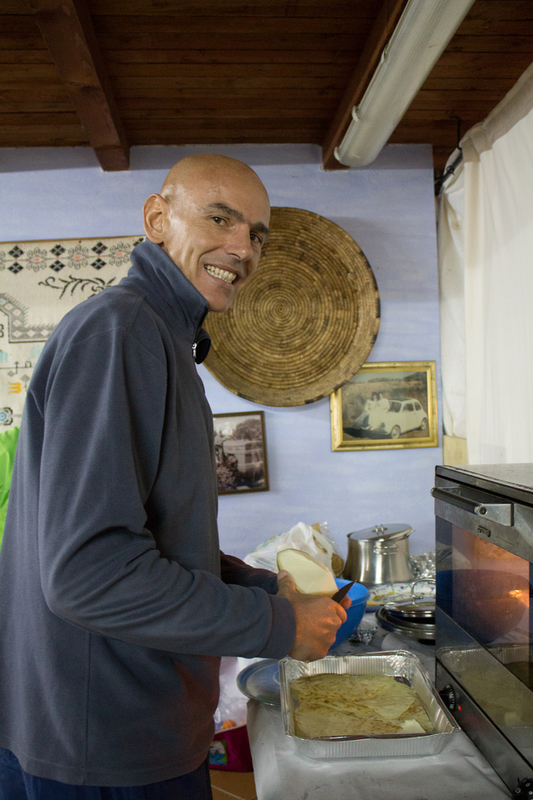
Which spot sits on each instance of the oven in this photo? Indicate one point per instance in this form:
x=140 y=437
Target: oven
x=484 y=611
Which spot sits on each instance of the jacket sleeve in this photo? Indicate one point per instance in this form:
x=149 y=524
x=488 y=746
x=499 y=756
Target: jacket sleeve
x=233 y=570
x=100 y=566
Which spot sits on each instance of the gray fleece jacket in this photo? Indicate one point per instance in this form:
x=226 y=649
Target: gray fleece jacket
x=115 y=601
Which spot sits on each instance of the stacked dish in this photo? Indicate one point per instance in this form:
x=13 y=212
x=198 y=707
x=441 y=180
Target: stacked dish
x=414 y=618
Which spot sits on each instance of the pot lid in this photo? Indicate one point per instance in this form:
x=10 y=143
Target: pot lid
x=389 y=530
x=415 y=609
x=306 y=322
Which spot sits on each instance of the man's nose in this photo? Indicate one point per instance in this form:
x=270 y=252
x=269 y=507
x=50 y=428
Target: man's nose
x=239 y=243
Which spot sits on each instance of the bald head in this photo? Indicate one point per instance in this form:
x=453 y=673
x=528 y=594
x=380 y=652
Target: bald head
x=211 y=218
x=209 y=168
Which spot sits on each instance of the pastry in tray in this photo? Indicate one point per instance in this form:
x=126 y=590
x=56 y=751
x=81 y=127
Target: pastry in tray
x=356 y=705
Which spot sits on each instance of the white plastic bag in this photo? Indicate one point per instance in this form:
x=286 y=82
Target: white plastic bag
x=232 y=703
x=230 y=748
x=315 y=540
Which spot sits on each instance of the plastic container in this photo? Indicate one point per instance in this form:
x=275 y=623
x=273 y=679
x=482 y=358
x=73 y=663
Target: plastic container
x=358 y=594
x=399 y=663
x=230 y=750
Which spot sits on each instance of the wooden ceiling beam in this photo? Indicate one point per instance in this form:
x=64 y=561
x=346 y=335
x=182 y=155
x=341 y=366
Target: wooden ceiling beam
x=67 y=30
x=380 y=34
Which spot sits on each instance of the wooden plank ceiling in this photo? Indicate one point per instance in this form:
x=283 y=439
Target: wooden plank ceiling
x=114 y=73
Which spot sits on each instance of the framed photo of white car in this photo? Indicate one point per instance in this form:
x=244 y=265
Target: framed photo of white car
x=387 y=405
x=240 y=452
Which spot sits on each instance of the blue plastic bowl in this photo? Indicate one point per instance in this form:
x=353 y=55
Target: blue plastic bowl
x=359 y=595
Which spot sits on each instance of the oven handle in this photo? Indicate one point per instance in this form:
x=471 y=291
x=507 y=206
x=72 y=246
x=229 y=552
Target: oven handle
x=501 y=513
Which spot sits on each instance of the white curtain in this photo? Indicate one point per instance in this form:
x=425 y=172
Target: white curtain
x=452 y=305
x=486 y=285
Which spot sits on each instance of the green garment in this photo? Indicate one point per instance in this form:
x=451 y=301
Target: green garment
x=8 y=445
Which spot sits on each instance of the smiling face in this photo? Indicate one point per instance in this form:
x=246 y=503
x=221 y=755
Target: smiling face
x=212 y=219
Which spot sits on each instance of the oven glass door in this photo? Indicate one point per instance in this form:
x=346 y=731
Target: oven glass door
x=487 y=591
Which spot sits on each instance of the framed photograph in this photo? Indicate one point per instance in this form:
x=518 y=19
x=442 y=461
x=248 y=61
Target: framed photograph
x=388 y=405
x=240 y=452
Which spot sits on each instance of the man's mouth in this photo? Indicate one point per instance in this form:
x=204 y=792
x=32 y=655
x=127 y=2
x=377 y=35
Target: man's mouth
x=223 y=274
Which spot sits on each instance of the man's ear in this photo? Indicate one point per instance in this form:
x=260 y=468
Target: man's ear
x=155 y=211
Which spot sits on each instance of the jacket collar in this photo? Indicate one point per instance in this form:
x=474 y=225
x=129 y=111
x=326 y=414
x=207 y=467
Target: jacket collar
x=169 y=293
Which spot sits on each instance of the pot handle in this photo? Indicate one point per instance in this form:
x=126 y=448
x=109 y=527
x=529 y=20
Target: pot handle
x=396 y=535
x=421 y=580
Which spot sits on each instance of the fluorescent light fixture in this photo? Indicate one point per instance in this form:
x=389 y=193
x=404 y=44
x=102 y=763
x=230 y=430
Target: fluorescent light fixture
x=417 y=42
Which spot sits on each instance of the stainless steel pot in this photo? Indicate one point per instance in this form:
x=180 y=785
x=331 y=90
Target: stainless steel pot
x=379 y=558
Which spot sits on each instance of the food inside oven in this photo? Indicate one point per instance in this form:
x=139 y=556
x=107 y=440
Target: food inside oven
x=484 y=588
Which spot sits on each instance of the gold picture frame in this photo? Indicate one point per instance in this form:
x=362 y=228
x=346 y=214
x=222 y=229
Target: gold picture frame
x=386 y=406
x=240 y=452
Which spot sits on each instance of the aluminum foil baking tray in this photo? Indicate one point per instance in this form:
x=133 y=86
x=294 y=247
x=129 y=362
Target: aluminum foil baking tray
x=398 y=663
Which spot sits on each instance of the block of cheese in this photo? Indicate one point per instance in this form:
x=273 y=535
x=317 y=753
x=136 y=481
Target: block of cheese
x=309 y=575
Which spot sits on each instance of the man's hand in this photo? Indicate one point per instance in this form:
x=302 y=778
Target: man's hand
x=317 y=619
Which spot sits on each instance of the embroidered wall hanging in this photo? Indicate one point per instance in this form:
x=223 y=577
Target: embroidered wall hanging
x=39 y=283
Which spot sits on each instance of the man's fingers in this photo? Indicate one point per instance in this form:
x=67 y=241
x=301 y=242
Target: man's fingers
x=341 y=612
x=286 y=584
x=287 y=587
x=317 y=619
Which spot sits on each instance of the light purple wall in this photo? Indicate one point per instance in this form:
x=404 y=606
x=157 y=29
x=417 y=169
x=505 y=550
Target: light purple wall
x=388 y=208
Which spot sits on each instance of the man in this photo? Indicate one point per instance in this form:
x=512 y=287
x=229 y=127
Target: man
x=116 y=601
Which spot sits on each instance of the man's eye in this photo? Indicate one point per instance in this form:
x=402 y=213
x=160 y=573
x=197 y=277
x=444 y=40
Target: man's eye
x=218 y=220
x=255 y=238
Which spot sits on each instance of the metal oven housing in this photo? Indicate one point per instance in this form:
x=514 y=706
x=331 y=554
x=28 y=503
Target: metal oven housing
x=484 y=610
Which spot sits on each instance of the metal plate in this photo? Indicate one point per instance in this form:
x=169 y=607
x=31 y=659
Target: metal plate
x=260 y=681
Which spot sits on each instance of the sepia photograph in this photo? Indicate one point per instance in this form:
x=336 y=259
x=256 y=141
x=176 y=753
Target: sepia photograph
x=388 y=405
x=240 y=452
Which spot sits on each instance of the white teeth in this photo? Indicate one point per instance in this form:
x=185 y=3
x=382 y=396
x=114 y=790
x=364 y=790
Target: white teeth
x=229 y=277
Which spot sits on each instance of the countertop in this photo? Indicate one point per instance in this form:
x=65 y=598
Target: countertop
x=458 y=772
